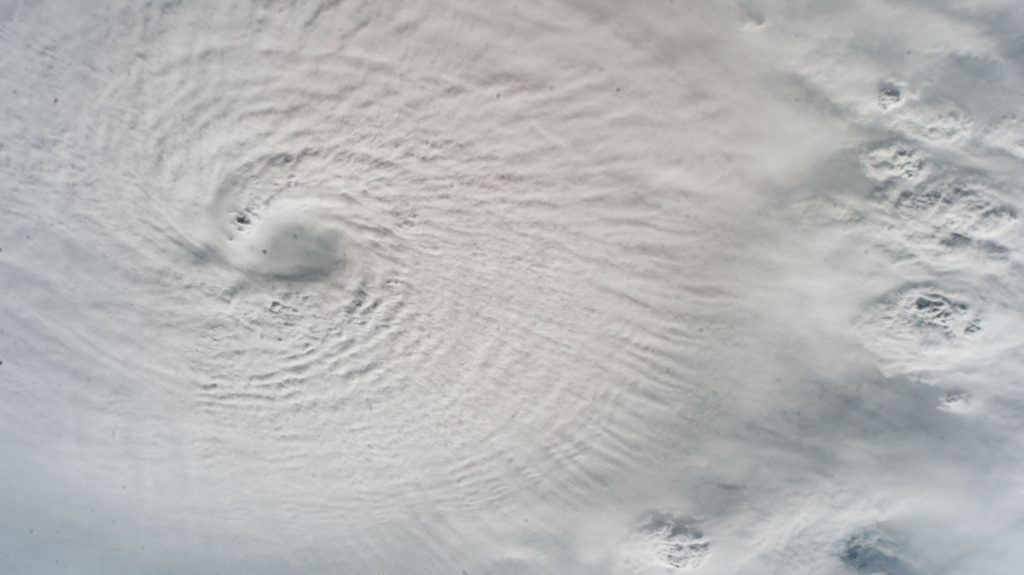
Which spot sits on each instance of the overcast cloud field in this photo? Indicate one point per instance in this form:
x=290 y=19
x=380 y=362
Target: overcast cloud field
x=566 y=287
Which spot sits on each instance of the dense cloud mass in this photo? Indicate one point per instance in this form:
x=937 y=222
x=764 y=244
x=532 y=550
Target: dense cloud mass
x=472 y=288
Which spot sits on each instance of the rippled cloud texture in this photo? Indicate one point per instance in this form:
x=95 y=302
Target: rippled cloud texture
x=558 y=287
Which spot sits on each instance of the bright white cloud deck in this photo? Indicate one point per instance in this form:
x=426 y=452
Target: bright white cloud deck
x=568 y=287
